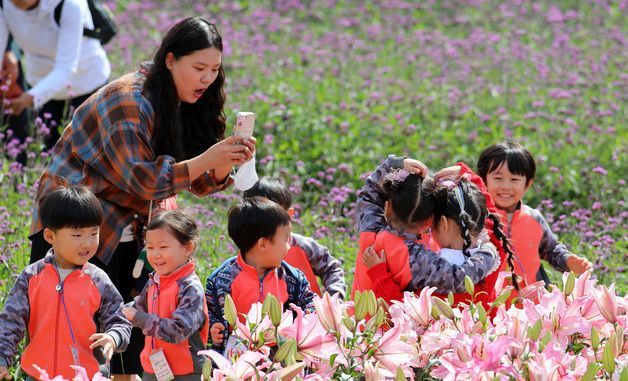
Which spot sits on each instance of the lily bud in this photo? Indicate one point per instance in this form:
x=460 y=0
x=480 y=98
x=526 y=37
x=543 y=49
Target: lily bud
x=207 y=369
x=595 y=339
x=468 y=285
x=443 y=308
x=434 y=313
x=371 y=302
x=274 y=309
x=400 y=376
x=361 y=306
x=570 y=283
x=501 y=299
x=289 y=372
x=285 y=350
x=608 y=358
x=535 y=331
x=231 y=314
x=349 y=323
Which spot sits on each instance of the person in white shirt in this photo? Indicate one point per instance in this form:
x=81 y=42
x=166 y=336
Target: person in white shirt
x=62 y=67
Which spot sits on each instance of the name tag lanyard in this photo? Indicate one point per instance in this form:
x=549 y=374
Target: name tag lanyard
x=59 y=289
x=155 y=302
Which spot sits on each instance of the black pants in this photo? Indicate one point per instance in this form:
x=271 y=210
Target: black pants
x=119 y=270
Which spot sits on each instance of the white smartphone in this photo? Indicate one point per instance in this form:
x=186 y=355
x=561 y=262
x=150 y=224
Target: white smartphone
x=245 y=121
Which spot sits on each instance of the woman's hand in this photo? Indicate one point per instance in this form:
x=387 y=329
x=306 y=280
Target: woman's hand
x=222 y=156
x=20 y=103
x=415 y=166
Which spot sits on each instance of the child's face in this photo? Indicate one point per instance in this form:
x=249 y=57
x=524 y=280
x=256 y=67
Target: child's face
x=164 y=252
x=277 y=247
x=506 y=188
x=73 y=246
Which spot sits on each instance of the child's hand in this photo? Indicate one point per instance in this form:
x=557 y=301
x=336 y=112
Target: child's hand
x=129 y=313
x=371 y=259
x=415 y=166
x=449 y=173
x=216 y=332
x=578 y=264
x=4 y=373
x=105 y=341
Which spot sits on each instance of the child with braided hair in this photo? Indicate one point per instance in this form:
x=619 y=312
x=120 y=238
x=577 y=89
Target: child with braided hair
x=395 y=208
x=462 y=226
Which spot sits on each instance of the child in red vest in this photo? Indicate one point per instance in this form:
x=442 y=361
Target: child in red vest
x=508 y=170
x=461 y=213
x=305 y=253
x=64 y=304
x=171 y=310
x=395 y=208
x=260 y=228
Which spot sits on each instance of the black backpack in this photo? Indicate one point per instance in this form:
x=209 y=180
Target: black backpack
x=104 y=26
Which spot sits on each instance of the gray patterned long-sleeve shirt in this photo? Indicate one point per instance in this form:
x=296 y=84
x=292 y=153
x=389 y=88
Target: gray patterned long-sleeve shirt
x=315 y=260
x=412 y=264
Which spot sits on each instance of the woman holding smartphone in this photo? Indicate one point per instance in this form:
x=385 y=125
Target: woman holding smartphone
x=142 y=138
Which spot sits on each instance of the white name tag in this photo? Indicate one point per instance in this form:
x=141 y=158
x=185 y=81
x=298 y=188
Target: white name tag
x=160 y=366
x=137 y=269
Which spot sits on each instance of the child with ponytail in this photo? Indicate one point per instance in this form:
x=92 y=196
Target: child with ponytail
x=395 y=208
x=462 y=226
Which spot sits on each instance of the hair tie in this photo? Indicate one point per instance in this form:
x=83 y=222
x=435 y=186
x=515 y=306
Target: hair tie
x=460 y=200
x=399 y=175
x=449 y=184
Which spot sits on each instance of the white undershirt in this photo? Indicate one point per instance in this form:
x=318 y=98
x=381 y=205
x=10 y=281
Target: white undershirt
x=63 y=273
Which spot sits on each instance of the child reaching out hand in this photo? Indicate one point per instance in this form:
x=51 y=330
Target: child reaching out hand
x=171 y=310
x=508 y=169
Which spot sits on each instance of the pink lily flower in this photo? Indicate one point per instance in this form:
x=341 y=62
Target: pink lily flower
x=418 y=309
x=263 y=327
x=392 y=352
x=606 y=301
x=81 y=375
x=43 y=375
x=542 y=368
x=329 y=311
x=242 y=369
x=583 y=285
x=313 y=341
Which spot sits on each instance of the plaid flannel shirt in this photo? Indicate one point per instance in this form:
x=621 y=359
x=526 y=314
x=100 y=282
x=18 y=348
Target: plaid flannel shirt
x=107 y=147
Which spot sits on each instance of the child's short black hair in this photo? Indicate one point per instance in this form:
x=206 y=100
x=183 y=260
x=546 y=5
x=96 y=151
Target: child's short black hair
x=517 y=157
x=255 y=218
x=274 y=189
x=72 y=206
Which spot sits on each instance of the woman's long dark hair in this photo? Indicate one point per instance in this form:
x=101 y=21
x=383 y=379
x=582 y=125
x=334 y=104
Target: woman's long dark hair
x=186 y=130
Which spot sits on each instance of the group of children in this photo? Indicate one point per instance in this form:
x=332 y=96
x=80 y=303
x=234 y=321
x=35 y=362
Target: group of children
x=416 y=230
